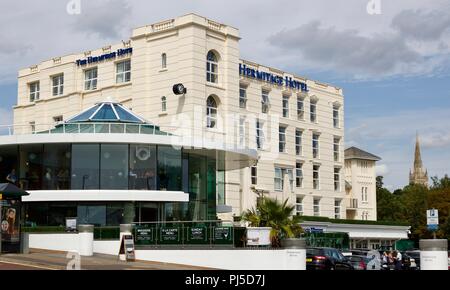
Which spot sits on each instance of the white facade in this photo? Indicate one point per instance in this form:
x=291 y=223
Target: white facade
x=360 y=176
x=175 y=51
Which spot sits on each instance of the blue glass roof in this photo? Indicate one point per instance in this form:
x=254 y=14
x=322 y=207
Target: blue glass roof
x=107 y=112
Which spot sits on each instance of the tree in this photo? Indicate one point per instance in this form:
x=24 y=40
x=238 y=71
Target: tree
x=380 y=182
x=279 y=216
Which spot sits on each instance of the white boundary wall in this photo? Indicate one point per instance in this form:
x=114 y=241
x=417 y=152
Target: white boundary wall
x=218 y=259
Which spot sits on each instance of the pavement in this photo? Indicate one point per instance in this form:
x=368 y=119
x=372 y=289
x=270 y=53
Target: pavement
x=52 y=260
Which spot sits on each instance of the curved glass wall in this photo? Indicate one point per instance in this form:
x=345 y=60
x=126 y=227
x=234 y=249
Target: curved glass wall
x=116 y=167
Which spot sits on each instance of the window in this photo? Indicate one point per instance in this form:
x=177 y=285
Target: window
x=364 y=195
x=259 y=134
x=34 y=91
x=298 y=142
x=163 y=104
x=142 y=167
x=300 y=108
x=285 y=106
x=337 y=209
x=316 y=177
x=123 y=73
x=336 y=141
x=242 y=97
x=278 y=179
x=85 y=167
x=313 y=111
x=299 y=205
x=290 y=175
x=242 y=131
x=315 y=145
x=254 y=175
x=337 y=178
x=58 y=85
x=58 y=119
x=114 y=166
x=212 y=68
x=265 y=101
x=336 y=116
x=316 y=206
x=33 y=127
x=211 y=112
x=163 y=61
x=299 y=174
x=282 y=139
x=90 y=79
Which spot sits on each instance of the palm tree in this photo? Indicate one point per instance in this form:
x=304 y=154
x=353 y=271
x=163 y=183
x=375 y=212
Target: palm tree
x=279 y=216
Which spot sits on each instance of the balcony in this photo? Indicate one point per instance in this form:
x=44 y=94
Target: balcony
x=352 y=204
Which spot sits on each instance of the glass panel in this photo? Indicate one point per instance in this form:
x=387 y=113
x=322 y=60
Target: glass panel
x=124 y=115
x=92 y=214
x=85 y=115
x=105 y=113
x=9 y=165
x=31 y=167
x=169 y=168
x=142 y=167
x=57 y=159
x=114 y=166
x=198 y=187
x=85 y=166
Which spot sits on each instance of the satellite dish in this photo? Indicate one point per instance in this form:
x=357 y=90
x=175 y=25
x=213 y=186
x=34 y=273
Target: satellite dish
x=179 y=89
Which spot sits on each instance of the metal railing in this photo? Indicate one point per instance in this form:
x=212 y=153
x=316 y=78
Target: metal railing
x=80 y=128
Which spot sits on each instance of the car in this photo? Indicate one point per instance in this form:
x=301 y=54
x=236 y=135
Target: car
x=415 y=254
x=326 y=259
x=359 y=262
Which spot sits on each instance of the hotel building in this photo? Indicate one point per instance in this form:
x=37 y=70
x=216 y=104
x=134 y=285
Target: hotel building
x=81 y=136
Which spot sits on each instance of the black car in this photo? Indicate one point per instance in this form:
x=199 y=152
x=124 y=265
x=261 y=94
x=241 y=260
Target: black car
x=326 y=259
x=359 y=262
x=416 y=256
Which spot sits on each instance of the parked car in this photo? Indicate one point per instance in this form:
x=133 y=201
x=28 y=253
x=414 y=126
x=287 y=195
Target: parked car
x=416 y=256
x=449 y=260
x=359 y=262
x=326 y=259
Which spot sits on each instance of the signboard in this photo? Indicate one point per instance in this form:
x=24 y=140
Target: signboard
x=196 y=235
x=432 y=217
x=145 y=236
x=169 y=235
x=103 y=57
x=71 y=224
x=222 y=235
x=127 y=247
x=9 y=226
x=271 y=78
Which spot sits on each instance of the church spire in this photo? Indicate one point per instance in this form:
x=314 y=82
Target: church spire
x=418 y=175
x=417 y=156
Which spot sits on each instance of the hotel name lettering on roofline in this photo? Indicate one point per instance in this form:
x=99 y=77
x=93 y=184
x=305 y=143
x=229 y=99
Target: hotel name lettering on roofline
x=288 y=82
x=107 y=56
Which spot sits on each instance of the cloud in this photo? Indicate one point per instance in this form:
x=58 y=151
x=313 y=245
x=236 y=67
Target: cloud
x=6 y=118
x=422 y=25
x=436 y=140
x=347 y=50
x=381 y=169
x=104 y=19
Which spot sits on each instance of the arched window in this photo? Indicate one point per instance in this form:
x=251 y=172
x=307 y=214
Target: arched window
x=164 y=60
x=163 y=104
x=211 y=112
x=212 y=68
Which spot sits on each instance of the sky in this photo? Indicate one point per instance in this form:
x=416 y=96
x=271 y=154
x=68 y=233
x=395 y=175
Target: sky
x=392 y=58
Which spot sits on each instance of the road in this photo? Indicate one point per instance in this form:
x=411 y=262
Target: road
x=16 y=266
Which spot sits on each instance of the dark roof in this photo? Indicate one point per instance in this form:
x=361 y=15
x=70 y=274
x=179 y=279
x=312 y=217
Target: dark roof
x=356 y=153
x=10 y=190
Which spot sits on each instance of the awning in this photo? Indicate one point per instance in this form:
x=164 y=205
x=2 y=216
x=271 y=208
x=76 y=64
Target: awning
x=8 y=190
